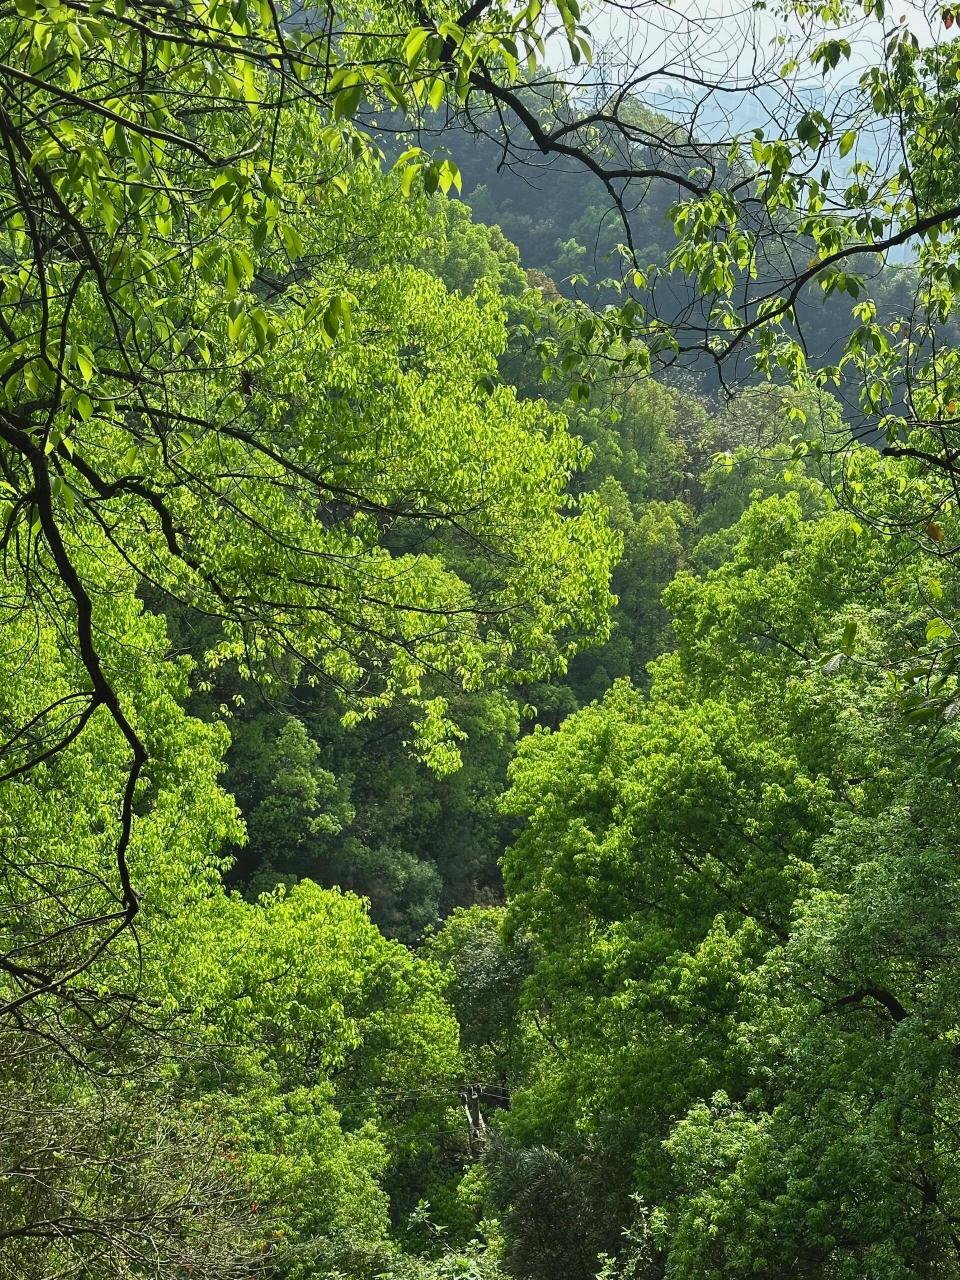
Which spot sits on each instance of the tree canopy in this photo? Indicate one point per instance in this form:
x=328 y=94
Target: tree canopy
x=478 y=645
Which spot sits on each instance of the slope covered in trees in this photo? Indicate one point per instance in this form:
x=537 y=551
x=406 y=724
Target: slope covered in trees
x=475 y=799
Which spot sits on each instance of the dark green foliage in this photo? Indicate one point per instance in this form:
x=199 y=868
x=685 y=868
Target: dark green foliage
x=548 y=1217
x=488 y=972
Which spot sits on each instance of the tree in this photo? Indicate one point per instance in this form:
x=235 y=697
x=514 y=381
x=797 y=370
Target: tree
x=228 y=1083
x=487 y=979
x=333 y=1058
x=116 y=1180
x=741 y=987
x=217 y=365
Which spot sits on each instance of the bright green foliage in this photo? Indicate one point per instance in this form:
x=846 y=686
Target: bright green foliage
x=472 y=259
x=722 y=882
x=403 y=389
x=845 y=1150
x=413 y=844
x=218 y=359
x=58 y=821
x=336 y=1060
x=313 y=495
x=246 y=1077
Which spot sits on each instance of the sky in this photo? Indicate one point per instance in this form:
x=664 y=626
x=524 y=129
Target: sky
x=734 y=44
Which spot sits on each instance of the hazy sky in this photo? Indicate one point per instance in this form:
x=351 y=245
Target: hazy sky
x=734 y=44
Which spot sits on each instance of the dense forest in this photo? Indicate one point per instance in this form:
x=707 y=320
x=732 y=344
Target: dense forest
x=480 y=641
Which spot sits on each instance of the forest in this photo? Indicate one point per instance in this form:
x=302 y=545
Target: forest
x=480 y=640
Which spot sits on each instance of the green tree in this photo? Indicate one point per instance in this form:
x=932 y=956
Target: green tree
x=487 y=977
x=733 y=957
x=229 y=1080
x=269 y=417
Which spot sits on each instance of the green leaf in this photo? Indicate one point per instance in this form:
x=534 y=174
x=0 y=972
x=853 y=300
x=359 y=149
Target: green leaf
x=413 y=45
x=438 y=88
x=292 y=240
x=938 y=629
x=336 y=318
x=407 y=178
x=347 y=101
